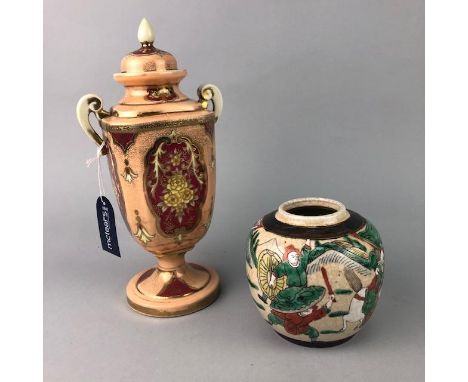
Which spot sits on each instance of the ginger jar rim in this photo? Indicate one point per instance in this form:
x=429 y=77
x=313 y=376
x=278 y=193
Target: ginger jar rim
x=332 y=212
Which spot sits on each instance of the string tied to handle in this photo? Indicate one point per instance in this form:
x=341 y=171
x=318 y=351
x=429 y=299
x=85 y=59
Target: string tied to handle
x=97 y=158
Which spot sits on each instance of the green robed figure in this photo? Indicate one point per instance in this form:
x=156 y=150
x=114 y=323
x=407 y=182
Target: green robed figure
x=297 y=296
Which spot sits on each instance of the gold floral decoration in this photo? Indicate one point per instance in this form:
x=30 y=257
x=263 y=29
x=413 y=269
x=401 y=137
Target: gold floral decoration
x=129 y=175
x=178 y=195
x=175 y=159
x=141 y=233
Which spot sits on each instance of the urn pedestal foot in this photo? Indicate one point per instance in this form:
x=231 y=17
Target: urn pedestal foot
x=164 y=291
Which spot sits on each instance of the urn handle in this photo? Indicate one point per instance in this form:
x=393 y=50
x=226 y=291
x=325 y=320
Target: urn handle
x=210 y=92
x=90 y=103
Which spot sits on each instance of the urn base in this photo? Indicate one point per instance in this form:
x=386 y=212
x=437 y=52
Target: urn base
x=161 y=293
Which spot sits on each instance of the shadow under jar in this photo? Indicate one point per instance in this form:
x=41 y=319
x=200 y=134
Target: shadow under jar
x=315 y=270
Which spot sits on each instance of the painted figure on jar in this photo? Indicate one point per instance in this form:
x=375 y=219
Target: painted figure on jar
x=296 y=306
x=365 y=298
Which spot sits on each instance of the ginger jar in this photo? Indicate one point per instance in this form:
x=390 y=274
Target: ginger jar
x=315 y=270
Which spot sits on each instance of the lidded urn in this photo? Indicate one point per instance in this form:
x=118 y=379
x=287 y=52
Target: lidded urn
x=315 y=270
x=160 y=146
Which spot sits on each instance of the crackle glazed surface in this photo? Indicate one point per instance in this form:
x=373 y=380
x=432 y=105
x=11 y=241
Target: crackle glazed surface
x=316 y=285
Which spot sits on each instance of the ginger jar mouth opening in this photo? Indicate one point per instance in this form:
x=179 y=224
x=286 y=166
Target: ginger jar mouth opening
x=315 y=271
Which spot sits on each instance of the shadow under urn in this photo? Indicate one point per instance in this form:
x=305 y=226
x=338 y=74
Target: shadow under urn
x=160 y=146
x=315 y=270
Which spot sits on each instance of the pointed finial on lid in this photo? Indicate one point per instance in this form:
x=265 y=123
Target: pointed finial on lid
x=145 y=32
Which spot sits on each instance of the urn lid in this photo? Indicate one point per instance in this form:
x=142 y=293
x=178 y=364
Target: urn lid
x=151 y=79
x=146 y=59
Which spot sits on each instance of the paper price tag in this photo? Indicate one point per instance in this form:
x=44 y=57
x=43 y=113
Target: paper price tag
x=106 y=223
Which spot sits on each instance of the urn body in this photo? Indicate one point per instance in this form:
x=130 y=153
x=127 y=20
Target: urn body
x=164 y=180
